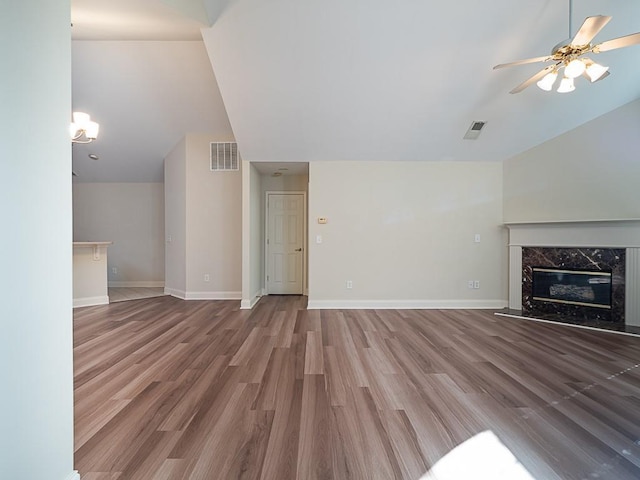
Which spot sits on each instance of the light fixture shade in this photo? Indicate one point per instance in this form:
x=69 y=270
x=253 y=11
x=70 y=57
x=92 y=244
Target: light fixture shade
x=547 y=81
x=574 y=68
x=566 y=85
x=81 y=120
x=91 y=130
x=594 y=71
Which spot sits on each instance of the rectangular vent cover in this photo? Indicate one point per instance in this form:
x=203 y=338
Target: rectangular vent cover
x=474 y=130
x=224 y=157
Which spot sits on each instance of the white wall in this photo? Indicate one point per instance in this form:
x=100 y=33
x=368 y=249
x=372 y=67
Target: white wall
x=175 y=220
x=36 y=364
x=257 y=233
x=132 y=216
x=403 y=233
x=204 y=221
x=589 y=173
x=214 y=224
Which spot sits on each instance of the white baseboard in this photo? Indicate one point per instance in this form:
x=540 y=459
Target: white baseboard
x=213 y=296
x=138 y=284
x=90 y=301
x=203 y=295
x=406 y=304
x=73 y=476
x=249 y=304
x=181 y=294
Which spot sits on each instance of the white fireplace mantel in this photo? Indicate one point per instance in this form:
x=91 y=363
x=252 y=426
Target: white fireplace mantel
x=622 y=233
x=586 y=233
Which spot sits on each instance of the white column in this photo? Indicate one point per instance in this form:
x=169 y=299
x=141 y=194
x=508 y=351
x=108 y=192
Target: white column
x=632 y=287
x=515 y=277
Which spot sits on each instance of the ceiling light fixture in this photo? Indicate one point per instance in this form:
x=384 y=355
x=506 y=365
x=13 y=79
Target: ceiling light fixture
x=574 y=68
x=566 y=85
x=548 y=80
x=568 y=55
x=82 y=129
x=594 y=70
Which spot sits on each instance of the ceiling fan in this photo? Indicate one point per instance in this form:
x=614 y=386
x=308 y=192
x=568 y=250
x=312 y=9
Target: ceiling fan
x=568 y=55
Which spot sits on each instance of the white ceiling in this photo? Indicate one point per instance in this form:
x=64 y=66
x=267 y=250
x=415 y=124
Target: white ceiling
x=332 y=80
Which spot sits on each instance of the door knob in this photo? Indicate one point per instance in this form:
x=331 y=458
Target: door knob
x=298 y=249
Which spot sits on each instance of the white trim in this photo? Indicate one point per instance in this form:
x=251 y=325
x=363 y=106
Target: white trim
x=406 y=304
x=573 y=325
x=138 y=284
x=515 y=272
x=556 y=222
x=90 y=301
x=614 y=234
x=213 y=296
x=249 y=304
x=181 y=294
x=73 y=476
x=632 y=287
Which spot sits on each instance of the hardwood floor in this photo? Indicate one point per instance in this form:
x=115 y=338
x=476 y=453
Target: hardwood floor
x=169 y=389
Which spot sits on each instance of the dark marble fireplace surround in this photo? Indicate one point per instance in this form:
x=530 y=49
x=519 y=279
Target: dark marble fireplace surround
x=579 y=258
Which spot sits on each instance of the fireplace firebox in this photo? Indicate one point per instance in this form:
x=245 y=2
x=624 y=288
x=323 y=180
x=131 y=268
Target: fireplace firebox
x=572 y=287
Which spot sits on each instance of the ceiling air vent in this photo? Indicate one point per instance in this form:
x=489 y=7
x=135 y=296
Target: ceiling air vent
x=474 y=130
x=224 y=156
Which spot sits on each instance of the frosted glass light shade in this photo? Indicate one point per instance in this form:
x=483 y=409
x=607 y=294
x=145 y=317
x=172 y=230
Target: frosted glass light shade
x=81 y=119
x=547 y=81
x=566 y=85
x=595 y=71
x=574 y=68
x=91 y=131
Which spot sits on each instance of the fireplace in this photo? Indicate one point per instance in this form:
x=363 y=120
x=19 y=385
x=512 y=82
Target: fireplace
x=609 y=246
x=588 y=288
x=579 y=285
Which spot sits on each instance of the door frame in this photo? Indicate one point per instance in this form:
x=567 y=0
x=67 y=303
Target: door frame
x=305 y=246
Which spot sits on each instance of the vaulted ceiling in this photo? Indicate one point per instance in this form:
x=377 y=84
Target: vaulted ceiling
x=328 y=80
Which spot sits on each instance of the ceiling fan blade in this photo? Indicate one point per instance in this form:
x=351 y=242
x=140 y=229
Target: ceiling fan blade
x=523 y=62
x=589 y=29
x=626 y=41
x=535 y=78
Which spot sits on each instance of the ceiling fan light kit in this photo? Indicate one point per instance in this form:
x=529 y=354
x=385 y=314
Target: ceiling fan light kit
x=568 y=56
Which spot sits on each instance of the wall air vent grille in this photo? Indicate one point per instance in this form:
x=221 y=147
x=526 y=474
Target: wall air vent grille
x=224 y=157
x=474 y=130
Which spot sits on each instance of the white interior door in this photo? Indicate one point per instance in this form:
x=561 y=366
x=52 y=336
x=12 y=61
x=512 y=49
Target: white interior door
x=285 y=243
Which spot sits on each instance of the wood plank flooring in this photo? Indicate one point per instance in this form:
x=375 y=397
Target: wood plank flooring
x=200 y=390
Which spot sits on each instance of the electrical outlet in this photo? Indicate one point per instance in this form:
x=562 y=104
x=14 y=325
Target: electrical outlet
x=114 y=270
x=476 y=284
x=349 y=284
x=206 y=277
